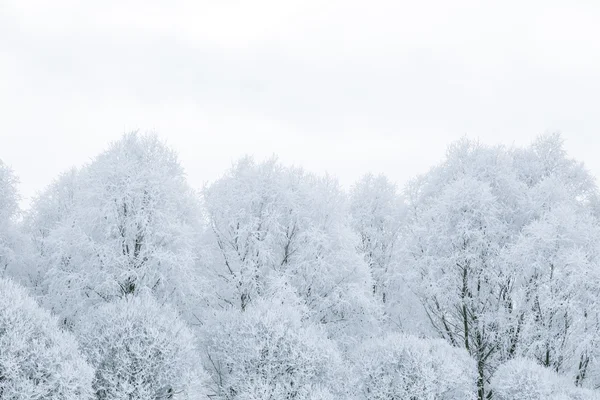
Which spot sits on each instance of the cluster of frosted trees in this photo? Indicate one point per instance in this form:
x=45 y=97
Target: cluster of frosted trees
x=478 y=280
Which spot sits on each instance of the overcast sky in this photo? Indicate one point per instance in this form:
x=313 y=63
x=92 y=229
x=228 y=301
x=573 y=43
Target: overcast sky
x=339 y=86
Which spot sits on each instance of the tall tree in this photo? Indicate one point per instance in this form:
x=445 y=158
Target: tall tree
x=10 y=239
x=498 y=241
x=376 y=212
x=378 y=215
x=124 y=224
x=462 y=215
x=557 y=265
x=48 y=209
x=269 y=220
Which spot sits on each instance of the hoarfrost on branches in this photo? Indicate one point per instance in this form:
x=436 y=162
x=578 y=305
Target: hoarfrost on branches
x=38 y=360
x=141 y=350
x=477 y=280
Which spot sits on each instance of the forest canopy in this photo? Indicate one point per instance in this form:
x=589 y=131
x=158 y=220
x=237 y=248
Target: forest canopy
x=479 y=279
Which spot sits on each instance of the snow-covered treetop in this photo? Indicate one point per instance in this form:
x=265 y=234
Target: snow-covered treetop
x=125 y=223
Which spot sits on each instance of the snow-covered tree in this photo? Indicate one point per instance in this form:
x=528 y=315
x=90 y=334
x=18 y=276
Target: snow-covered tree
x=376 y=212
x=269 y=220
x=546 y=157
x=48 y=209
x=298 y=290
x=462 y=214
x=557 y=264
x=51 y=206
x=400 y=366
x=524 y=379
x=124 y=223
x=37 y=359
x=558 y=272
x=141 y=350
x=269 y=351
x=10 y=240
x=501 y=247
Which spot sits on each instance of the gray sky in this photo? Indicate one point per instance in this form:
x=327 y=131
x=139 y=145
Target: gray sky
x=339 y=86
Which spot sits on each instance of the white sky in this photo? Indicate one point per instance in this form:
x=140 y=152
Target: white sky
x=339 y=86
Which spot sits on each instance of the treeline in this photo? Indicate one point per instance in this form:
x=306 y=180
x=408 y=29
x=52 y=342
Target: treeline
x=478 y=280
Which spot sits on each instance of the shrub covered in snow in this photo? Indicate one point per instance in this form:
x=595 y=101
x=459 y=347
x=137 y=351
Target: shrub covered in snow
x=524 y=379
x=406 y=367
x=141 y=350
x=37 y=359
x=269 y=352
